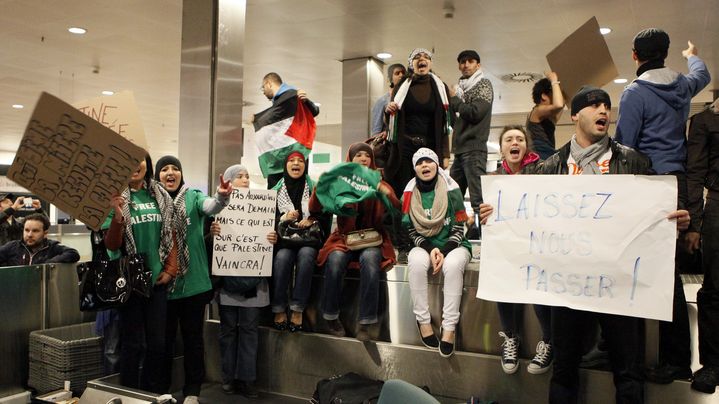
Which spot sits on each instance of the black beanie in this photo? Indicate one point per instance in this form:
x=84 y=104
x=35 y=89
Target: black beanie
x=651 y=44
x=468 y=54
x=589 y=95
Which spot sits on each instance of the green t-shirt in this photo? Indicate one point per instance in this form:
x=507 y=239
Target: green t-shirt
x=453 y=206
x=197 y=278
x=146 y=229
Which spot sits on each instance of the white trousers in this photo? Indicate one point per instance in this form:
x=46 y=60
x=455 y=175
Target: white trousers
x=453 y=271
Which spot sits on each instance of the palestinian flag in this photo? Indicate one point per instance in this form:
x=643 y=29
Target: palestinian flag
x=285 y=127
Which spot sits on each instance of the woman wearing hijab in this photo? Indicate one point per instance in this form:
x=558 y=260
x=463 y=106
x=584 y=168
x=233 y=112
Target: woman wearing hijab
x=337 y=257
x=419 y=117
x=141 y=223
x=239 y=319
x=293 y=196
x=518 y=157
x=191 y=289
x=433 y=212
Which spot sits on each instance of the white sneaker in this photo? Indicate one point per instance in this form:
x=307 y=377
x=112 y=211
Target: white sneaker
x=542 y=360
x=191 y=400
x=510 y=350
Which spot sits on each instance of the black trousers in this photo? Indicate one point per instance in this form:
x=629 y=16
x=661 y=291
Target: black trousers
x=142 y=332
x=189 y=313
x=623 y=340
x=674 y=337
x=708 y=297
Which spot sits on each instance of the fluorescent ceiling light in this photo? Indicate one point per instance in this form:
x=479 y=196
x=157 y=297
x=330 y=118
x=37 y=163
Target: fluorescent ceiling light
x=605 y=30
x=108 y=92
x=384 y=55
x=620 y=81
x=77 y=30
x=18 y=106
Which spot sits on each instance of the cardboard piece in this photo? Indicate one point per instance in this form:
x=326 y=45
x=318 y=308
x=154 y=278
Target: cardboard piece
x=117 y=112
x=583 y=58
x=73 y=161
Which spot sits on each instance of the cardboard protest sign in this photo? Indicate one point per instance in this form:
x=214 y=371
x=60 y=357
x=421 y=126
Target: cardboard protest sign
x=117 y=112
x=573 y=65
x=242 y=249
x=72 y=161
x=584 y=242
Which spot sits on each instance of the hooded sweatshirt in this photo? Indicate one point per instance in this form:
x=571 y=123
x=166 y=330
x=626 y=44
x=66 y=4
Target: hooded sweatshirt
x=653 y=112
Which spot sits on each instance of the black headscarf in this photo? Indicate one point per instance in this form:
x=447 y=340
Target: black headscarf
x=167 y=160
x=295 y=186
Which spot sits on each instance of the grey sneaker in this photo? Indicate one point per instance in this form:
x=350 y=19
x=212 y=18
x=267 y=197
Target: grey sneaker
x=542 y=359
x=510 y=351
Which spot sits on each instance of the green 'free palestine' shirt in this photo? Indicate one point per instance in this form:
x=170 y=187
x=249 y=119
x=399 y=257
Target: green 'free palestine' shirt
x=146 y=229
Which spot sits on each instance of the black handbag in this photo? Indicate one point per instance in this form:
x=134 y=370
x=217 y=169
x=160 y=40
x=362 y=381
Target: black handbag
x=382 y=149
x=292 y=236
x=105 y=283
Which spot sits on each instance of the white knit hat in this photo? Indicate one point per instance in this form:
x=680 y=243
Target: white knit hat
x=425 y=153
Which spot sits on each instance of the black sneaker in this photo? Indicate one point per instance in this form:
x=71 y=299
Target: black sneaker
x=248 y=390
x=542 y=360
x=446 y=349
x=430 y=341
x=510 y=351
x=706 y=379
x=666 y=374
x=228 y=388
x=335 y=328
x=596 y=358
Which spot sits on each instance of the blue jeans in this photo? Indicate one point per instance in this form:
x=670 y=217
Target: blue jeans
x=284 y=262
x=370 y=260
x=238 y=343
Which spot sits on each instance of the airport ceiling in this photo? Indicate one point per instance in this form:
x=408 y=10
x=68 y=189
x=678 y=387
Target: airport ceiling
x=135 y=45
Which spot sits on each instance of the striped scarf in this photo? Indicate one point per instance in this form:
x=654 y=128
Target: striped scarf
x=179 y=227
x=164 y=203
x=402 y=94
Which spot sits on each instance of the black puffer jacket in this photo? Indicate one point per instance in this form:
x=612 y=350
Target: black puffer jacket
x=702 y=163
x=625 y=160
x=16 y=253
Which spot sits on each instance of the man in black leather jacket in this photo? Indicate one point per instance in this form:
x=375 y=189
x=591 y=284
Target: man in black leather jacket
x=591 y=151
x=35 y=248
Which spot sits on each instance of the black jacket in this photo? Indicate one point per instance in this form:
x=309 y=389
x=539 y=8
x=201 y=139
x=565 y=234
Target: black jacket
x=702 y=163
x=11 y=230
x=625 y=160
x=16 y=253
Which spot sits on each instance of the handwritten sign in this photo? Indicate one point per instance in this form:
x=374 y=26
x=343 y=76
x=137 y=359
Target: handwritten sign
x=242 y=249
x=117 y=112
x=598 y=243
x=73 y=161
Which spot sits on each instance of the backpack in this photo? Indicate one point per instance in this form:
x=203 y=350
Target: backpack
x=349 y=388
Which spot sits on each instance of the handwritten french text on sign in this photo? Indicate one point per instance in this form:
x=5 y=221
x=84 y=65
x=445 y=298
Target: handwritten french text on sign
x=72 y=161
x=242 y=249
x=599 y=243
x=117 y=112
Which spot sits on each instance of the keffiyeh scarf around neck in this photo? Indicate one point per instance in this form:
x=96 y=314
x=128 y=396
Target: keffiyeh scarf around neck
x=587 y=157
x=401 y=95
x=179 y=226
x=465 y=85
x=165 y=204
x=424 y=226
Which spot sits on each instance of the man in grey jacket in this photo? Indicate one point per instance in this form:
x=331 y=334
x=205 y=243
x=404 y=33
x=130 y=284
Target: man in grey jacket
x=471 y=100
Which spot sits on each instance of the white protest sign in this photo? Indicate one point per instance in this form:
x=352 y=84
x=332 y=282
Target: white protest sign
x=242 y=248
x=599 y=243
